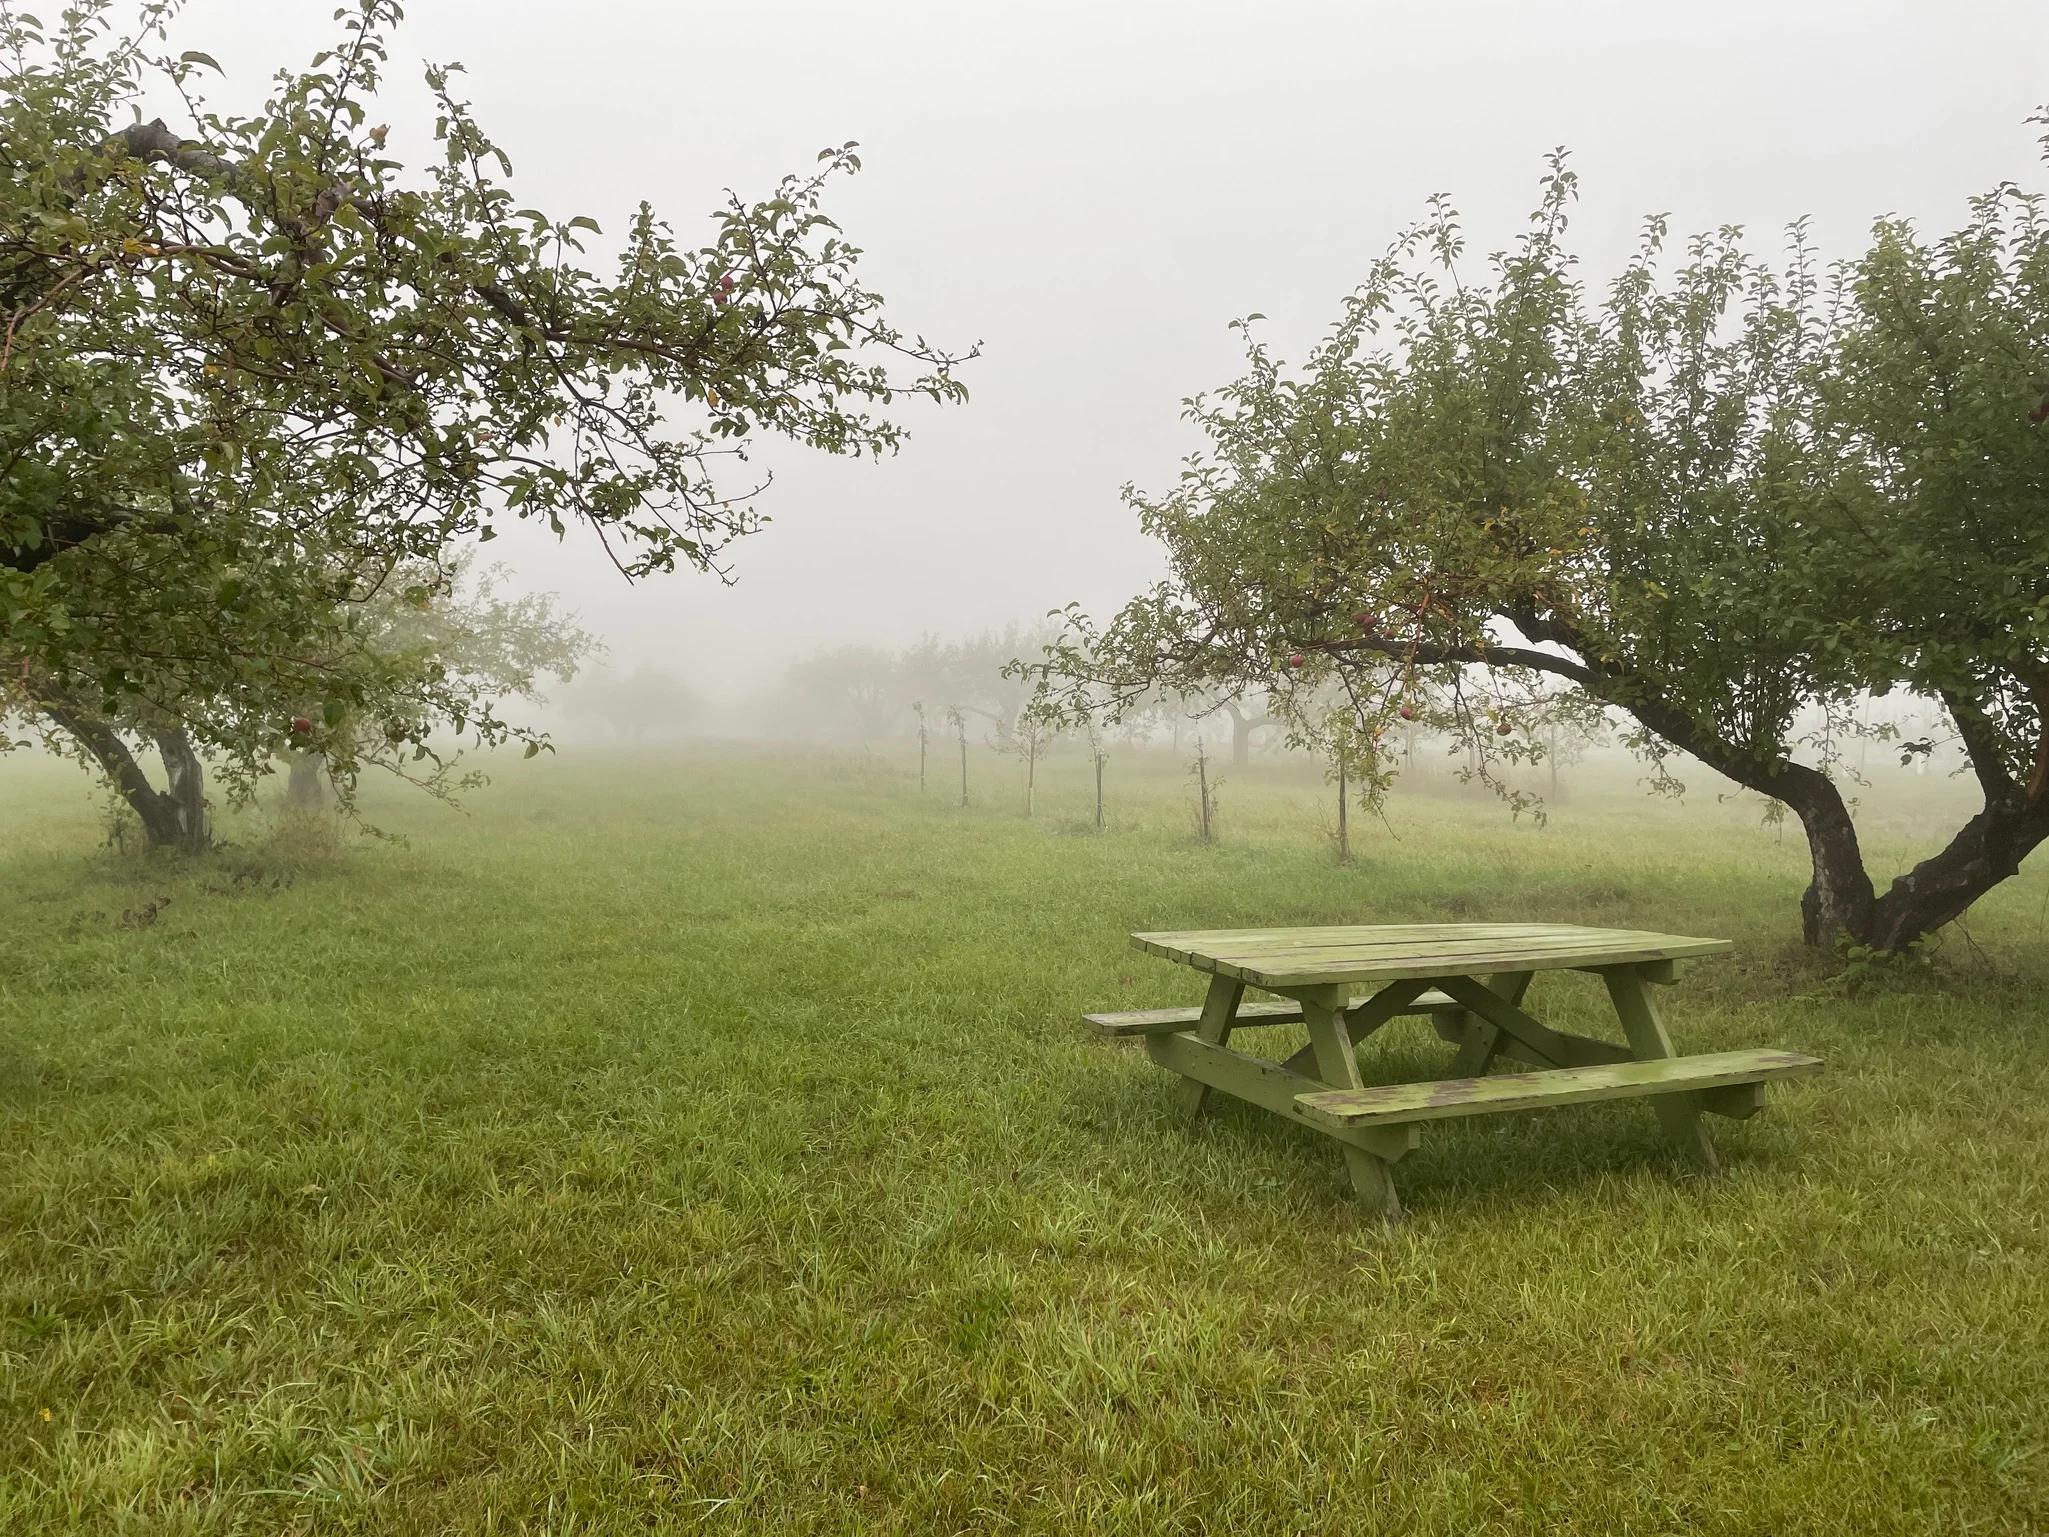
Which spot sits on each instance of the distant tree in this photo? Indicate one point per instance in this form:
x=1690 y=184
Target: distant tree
x=1718 y=502
x=1030 y=735
x=977 y=675
x=959 y=722
x=1565 y=726
x=496 y=646
x=857 y=691
x=1244 y=722
x=646 y=699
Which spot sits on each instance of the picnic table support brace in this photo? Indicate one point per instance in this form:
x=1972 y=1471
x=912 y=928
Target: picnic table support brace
x=1679 y=1114
x=1528 y=1039
x=1323 y=1011
x=1361 y=1020
x=1219 y=1009
x=1482 y=1036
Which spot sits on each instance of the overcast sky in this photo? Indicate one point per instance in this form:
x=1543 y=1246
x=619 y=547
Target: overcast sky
x=1094 y=191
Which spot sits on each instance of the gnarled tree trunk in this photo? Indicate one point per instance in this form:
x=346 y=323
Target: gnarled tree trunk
x=174 y=817
x=1840 y=899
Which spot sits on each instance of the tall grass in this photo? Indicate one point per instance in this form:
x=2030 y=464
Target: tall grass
x=706 y=1142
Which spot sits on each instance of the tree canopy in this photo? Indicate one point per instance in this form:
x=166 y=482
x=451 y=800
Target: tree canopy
x=255 y=371
x=1724 y=496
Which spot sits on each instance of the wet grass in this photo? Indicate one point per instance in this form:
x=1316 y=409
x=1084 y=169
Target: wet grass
x=690 y=1142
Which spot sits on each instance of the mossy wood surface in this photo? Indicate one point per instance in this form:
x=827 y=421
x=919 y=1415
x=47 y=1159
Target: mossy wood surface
x=1438 y=969
x=1308 y=957
x=1264 y=1011
x=1395 y=1103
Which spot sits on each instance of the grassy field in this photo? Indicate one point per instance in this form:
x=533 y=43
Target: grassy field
x=699 y=1142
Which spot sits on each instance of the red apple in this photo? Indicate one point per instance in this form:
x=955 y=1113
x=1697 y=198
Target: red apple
x=1365 y=620
x=1504 y=729
x=1407 y=712
x=301 y=726
x=1295 y=660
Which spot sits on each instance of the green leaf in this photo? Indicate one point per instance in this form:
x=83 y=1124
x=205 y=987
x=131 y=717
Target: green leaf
x=194 y=56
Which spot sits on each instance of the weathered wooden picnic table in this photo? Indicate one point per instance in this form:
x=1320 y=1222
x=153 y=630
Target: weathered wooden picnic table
x=1470 y=978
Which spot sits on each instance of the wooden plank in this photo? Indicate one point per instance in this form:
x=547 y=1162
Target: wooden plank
x=1219 y=1010
x=1337 y=1064
x=1365 y=1016
x=1424 y=951
x=1322 y=956
x=1370 y=949
x=1390 y=1002
x=1573 y=1051
x=1276 y=973
x=1264 y=1011
x=1209 y=940
x=1181 y=944
x=1388 y=934
x=1482 y=1042
x=1739 y=1101
x=1414 y=958
x=1550 y=1047
x=1362 y=948
x=1269 y=1085
x=1376 y=934
x=1397 y=1104
x=1648 y=1038
x=1579 y=1050
x=1404 y=943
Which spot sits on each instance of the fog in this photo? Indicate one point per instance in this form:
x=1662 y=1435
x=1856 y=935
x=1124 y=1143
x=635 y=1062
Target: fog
x=1093 y=192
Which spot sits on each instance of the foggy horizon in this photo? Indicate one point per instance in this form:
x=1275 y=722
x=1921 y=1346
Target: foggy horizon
x=1093 y=195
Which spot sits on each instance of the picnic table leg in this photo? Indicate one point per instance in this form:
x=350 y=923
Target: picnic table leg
x=1338 y=1066
x=1678 y=1113
x=1483 y=1037
x=1219 y=1009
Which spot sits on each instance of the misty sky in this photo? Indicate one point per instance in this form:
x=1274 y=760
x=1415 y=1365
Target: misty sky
x=1093 y=191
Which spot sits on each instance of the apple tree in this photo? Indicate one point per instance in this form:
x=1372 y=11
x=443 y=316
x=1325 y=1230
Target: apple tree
x=1722 y=498
x=254 y=371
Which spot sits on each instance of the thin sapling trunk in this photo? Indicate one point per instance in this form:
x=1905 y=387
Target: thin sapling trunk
x=1203 y=807
x=1344 y=829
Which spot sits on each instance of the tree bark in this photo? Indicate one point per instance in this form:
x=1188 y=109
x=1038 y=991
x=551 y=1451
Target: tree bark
x=1986 y=850
x=173 y=818
x=1840 y=899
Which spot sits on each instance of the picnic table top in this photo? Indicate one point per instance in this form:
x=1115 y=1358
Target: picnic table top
x=1310 y=957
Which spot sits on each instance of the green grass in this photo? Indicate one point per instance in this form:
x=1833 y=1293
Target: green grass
x=707 y=1143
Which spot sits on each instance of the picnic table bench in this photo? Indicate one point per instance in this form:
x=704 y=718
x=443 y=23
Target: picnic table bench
x=1470 y=980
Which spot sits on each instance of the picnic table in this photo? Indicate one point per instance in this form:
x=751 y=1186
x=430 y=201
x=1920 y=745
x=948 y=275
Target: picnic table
x=1471 y=980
